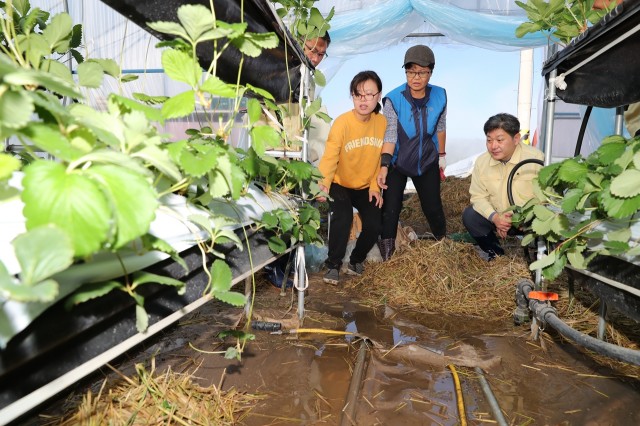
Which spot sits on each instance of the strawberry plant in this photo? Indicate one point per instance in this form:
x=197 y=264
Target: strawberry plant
x=561 y=20
x=112 y=169
x=585 y=207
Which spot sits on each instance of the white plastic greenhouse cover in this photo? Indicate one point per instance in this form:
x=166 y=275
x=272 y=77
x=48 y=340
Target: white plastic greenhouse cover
x=365 y=26
x=358 y=26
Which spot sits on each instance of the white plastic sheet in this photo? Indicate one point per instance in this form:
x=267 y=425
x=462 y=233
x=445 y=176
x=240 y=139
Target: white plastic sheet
x=490 y=25
x=171 y=225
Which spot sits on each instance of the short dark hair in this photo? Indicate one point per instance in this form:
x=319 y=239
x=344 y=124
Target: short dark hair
x=360 y=78
x=326 y=37
x=504 y=121
x=411 y=64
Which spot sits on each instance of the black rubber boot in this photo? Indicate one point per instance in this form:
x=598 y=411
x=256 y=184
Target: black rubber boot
x=387 y=247
x=490 y=245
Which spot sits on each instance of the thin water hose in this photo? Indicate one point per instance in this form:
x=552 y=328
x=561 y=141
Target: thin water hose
x=349 y=409
x=461 y=411
x=491 y=399
x=319 y=330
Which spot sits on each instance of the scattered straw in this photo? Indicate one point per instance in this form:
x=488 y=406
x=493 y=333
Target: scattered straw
x=444 y=276
x=169 y=398
x=455 y=198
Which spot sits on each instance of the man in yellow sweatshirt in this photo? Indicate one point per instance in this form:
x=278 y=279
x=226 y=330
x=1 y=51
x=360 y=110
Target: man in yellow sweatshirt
x=349 y=167
x=488 y=215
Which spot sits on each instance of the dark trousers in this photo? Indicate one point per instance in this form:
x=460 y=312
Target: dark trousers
x=342 y=203
x=428 y=189
x=483 y=231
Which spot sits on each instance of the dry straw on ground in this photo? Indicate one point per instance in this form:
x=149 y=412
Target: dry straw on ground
x=455 y=198
x=168 y=398
x=580 y=313
x=444 y=276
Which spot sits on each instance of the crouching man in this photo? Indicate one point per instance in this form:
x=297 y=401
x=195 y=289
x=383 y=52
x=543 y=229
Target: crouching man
x=486 y=218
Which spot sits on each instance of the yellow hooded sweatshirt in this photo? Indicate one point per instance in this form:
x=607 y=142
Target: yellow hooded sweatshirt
x=352 y=153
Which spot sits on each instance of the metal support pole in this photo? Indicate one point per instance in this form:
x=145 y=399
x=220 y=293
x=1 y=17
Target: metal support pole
x=524 y=89
x=549 y=118
x=549 y=110
x=302 y=280
x=305 y=85
x=305 y=79
x=491 y=399
x=349 y=409
x=619 y=120
x=540 y=253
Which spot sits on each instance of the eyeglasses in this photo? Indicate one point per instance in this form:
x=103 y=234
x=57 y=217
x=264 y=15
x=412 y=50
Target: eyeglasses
x=316 y=52
x=366 y=96
x=414 y=74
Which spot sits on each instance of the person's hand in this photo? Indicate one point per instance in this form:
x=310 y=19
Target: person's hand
x=503 y=223
x=323 y=188
x=442 y=162
x=377 y=196
x=382 y=177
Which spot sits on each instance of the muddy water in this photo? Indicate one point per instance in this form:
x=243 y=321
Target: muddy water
x=305 y=378
x=406 y=380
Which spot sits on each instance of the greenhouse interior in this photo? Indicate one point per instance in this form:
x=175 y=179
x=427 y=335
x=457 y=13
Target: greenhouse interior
x=164 y=234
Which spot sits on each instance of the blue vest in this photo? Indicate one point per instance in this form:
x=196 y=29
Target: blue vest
x=417 y=145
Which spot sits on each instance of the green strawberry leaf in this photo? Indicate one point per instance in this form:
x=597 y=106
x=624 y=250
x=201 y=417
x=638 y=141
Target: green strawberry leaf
x=42 y=252
x=69 y=200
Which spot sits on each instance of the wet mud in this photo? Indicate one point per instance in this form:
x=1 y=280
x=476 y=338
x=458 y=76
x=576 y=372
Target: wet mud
x=306 y=378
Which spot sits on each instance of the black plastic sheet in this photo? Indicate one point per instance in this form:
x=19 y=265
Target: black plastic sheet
x=275 y=70
x=62 y=340
x=613 y=78
x=623 y=272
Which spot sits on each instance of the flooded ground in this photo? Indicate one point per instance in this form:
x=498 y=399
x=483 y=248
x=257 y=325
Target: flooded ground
x=402 y=376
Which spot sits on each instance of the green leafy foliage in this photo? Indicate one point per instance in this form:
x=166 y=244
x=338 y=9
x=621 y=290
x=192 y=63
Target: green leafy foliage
x=41 y=39
x=112 y=167
x=8 y=165
x=306 y=23
x=38 y=263
x=306 y=20
x=284 y=228
x=562 y=20
x=93 y=204
x=584 y=207
x=235 y=352
x=221 y=285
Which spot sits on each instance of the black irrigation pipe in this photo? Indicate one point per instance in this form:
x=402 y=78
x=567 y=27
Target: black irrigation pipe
x=513 y=173
x=583 y=128
x=547 y=314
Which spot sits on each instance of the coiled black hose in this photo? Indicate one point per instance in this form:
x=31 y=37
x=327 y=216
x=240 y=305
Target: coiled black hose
x=513 y=173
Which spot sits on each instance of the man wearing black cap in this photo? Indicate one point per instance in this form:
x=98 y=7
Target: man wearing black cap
x=414 y=146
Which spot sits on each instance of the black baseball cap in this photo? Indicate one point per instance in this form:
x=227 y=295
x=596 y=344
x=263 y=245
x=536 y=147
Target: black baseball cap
x=421 y=55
